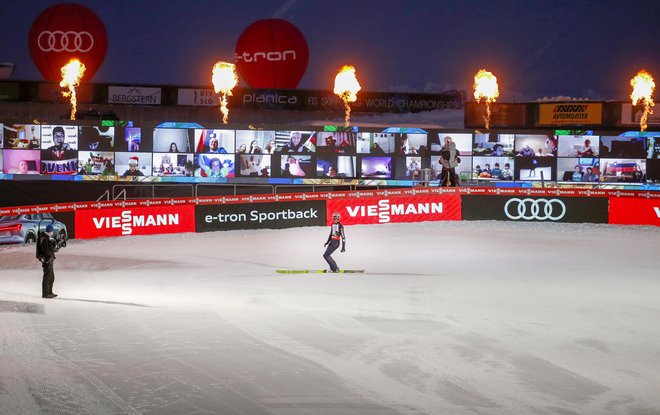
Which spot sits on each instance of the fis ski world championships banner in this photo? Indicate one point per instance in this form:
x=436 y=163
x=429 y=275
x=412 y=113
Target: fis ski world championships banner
x=373 y=210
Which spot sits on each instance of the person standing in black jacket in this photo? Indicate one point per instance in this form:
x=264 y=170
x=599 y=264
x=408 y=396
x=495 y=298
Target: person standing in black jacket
x=336 y=235
x=46 y=248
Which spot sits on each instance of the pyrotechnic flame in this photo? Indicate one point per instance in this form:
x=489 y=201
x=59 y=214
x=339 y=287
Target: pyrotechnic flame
x=72 y=72
x=347 y=87
x=224 y=80
x=485 y=86
x=643 y=86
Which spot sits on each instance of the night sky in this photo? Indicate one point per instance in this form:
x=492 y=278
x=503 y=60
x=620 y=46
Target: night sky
x=580 y=49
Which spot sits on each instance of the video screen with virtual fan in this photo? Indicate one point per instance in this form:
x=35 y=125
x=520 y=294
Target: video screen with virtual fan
x=401 y=155
x=173 y=140
x=376 y=167
x=336 y=166
x=20 y=136
x=623 y=147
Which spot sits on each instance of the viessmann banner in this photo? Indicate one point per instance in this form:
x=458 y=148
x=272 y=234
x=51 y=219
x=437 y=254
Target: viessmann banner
x=634 y=211
x=275 y=215
x=372 y=210
x=536 y=209
x=95 y=223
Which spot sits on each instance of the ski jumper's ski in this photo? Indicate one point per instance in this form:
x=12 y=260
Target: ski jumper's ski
x=318 y=271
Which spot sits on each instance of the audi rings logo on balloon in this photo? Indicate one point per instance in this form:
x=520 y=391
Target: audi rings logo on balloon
x=535 y=209
x=69 y=41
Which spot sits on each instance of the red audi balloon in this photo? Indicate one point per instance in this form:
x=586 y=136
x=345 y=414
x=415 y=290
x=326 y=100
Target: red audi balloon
x=272 y=54
x=66 y=31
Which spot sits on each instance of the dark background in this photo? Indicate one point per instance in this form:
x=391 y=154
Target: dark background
x=538 y=48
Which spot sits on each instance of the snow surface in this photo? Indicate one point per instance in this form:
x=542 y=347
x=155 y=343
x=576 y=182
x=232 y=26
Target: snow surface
x=450 y=318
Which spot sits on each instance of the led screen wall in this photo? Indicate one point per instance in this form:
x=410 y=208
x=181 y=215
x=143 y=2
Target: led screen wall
x=88 y=152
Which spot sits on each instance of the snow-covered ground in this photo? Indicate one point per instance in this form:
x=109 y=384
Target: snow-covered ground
x=450 y=318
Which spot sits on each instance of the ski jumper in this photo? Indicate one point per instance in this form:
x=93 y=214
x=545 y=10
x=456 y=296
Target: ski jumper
x=336 y=235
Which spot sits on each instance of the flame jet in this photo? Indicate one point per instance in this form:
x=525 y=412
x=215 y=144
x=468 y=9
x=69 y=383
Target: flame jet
x=224 y=80
x=485 y=86
x=347 y=87
x=72 y=72
x=643 y=86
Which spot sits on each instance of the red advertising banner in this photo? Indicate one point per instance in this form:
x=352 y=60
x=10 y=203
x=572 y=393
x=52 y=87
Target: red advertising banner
x=634 y=211
x=637 y=207
x=371 y=210
x=96 y=223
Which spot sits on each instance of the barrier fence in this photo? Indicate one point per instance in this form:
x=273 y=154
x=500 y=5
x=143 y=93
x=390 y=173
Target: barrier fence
x=213 y=213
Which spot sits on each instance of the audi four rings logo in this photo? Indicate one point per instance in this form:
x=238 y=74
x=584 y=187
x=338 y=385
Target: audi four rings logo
x=530 y=209
x=59 y=41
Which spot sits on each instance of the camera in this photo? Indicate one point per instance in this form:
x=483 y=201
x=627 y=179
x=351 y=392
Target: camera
x=59 y=242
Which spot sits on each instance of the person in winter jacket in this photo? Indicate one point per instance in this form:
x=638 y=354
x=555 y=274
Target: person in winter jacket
x=449 y=158
x=46 y=248
x=336 y=235
x=295 y=144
